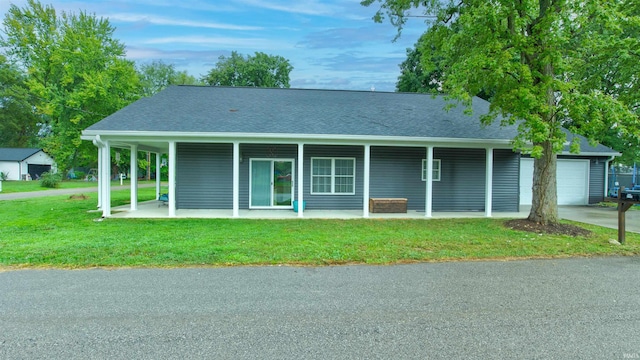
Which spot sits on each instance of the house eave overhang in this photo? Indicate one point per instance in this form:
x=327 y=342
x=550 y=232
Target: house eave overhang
x=329 y=139
x=603 y=154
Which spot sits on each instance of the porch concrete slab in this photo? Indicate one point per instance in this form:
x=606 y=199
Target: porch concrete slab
x=596 y=215
x=155 y=209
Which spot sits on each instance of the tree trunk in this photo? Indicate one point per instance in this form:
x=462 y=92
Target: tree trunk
x=544 y=204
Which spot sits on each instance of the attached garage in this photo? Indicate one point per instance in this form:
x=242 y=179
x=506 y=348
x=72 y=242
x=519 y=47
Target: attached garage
x=572 y=181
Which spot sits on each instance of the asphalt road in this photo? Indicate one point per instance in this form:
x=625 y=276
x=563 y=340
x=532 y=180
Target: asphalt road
x=539 y=309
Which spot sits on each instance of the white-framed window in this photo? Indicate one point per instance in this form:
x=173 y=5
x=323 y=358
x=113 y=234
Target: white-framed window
x=335 y=176
x=436 y=170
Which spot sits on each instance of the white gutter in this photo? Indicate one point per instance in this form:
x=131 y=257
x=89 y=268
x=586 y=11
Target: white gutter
x=324 y=139
x=96 y=141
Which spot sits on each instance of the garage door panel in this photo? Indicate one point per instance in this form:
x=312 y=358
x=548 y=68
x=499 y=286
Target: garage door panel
x=572 y=181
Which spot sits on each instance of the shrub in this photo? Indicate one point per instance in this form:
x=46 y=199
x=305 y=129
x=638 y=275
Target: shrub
x=50 y=180
x=4 y=176
x=80 y=175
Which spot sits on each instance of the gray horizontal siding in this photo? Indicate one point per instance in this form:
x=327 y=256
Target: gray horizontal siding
x=506 y=186
x=396 y=172
x=462 y=181
x=205 y=173
x=596 y=180
x=204 y=176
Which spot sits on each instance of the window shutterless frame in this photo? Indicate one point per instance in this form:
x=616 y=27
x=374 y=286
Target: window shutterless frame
x=333 y=176
x=436 y=170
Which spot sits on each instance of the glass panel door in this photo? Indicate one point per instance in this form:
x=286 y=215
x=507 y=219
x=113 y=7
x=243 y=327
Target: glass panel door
x=282 y=185
x=260 y=183
x=271 y=183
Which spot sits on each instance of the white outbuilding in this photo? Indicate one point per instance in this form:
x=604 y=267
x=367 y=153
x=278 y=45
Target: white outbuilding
x=25 y=163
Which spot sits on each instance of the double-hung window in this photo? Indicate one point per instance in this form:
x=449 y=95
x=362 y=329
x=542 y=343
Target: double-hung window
x=333 y=176
x=435 y=172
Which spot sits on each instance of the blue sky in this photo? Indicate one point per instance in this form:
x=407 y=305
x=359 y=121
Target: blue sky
x=332 y=44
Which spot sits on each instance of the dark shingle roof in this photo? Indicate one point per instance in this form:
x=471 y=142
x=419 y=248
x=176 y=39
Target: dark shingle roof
x=298 y=111
x=307 y=112
x=16 y=154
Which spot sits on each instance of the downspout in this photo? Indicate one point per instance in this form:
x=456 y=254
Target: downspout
x=606 y=175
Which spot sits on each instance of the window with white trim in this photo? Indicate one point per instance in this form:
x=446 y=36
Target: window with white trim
x=333 y=176
x=436 y=170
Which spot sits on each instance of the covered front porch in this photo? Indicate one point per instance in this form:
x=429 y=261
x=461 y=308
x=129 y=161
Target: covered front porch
x=222 y=175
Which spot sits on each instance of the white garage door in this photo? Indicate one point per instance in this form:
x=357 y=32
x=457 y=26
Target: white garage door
x=573 y=181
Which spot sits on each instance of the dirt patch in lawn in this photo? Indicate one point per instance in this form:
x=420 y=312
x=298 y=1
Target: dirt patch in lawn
x=557 y=229
x=78 y=197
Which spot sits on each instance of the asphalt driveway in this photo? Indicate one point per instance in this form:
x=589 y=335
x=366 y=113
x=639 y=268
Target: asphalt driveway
x=537 y=309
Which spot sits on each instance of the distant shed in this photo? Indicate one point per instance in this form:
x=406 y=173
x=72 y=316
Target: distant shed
x=25 y=163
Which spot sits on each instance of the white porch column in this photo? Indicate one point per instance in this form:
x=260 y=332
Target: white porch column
x=236 y=179
x=158 y=176
x=99 y=176
x=133 y=172
x=365 y=181
x=172 y=178
x=488 y=192
x=300 y=180
x=429 y=190
x=105 y=174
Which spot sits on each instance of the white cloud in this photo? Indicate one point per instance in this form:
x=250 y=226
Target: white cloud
x=159 y=20
x=235 y=42
x=305 y=7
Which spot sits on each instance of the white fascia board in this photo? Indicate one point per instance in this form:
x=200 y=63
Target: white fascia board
x=607 y=154
x=320 y=139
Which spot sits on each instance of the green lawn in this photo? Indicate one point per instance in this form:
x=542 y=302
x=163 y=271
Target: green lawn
x=25 y=186
x=60 y=232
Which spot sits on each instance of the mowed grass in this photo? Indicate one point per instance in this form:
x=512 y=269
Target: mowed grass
x=60 y=232
x=34 y=185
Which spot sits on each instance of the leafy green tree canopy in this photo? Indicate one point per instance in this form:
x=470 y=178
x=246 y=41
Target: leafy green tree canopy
x=259 y=70
x=18 y=122
x=412 y=76
x=157 y=75
x=75 y=69
x=529 y=53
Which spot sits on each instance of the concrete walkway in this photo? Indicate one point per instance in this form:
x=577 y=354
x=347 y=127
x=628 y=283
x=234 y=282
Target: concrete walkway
x=57 y=192
x=601 y=216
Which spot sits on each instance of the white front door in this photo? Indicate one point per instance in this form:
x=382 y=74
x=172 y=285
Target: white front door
x=271 y=183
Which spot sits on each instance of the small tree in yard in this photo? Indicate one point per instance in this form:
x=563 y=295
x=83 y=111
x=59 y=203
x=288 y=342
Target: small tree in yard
x=530 y=53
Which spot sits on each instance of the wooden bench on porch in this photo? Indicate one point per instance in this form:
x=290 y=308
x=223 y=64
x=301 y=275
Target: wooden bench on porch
x=387 y=205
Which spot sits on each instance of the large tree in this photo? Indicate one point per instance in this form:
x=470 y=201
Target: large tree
x=157 y=75
x=611 y=65
x=75 y=69
x=259 y=70
x=413 y=77
x=18 y=122
x=526 y=52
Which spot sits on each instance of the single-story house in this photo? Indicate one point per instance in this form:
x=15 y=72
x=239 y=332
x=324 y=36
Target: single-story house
x=25 y=163
x=239 y=148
